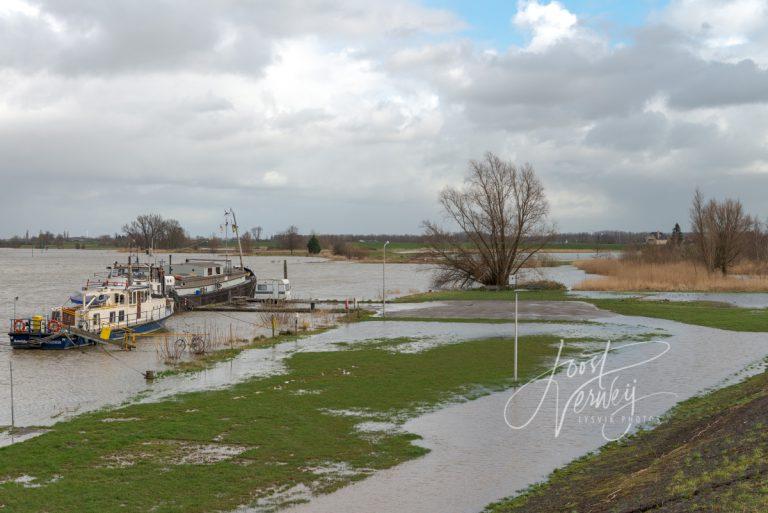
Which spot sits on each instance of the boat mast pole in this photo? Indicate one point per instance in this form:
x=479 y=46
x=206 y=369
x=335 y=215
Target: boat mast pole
x=226 y=236
x=236 y=231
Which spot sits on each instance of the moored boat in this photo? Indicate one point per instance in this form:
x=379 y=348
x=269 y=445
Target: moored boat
x=196 y=282
x=200 y=282
x=105 y=310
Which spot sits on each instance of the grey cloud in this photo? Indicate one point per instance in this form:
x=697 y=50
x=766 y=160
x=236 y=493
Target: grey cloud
x=87 y=37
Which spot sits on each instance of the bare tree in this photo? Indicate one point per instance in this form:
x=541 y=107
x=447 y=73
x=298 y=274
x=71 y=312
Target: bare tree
x=246 y=241
x=720 y=230
x=152 y=231
x=290 y=238
x=502 y=214
x=145 y=230
x=256 y=231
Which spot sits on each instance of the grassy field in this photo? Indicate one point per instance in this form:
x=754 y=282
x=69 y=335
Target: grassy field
x=216 y=450
x=709 y=455
x=700 y=313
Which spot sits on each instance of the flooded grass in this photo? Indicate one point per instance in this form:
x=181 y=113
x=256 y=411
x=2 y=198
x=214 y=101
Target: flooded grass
x=272 y=432
x=708 y=455
x=700 y=313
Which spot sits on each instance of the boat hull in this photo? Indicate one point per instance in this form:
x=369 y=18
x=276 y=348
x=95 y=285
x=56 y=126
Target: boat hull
x=224 y=295
x=31 y=340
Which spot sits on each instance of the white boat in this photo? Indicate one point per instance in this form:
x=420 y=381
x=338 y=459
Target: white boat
x=105 y=309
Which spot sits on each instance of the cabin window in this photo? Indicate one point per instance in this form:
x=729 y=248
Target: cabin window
x=261 y=288
x=96 y=319
x=117 y=298
x=121 y=316
x=122 y=299
x=210 y=271
x=281 y=288
x=111 y=317
x=218 y=270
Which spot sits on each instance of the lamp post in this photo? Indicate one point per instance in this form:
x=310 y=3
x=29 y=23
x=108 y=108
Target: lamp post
x=15 y=300
x=384 y=282
x=515 y=327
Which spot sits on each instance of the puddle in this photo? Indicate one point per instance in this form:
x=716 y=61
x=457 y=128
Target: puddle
x=174 y=452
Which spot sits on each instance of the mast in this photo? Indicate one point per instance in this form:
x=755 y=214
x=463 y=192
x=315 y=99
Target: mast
x=226 y=236
x=236 y=231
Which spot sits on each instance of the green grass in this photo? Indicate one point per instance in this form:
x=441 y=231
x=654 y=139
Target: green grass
x=586 y=246
x=709 y=454
x=700 y=313
x=282 y=423
x=476 y=320
x=483 y=295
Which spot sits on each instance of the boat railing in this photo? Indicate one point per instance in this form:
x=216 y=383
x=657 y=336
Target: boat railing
x=45 y=325
x=130 y=319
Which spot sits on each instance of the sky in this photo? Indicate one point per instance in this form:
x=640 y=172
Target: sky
x=349 y=116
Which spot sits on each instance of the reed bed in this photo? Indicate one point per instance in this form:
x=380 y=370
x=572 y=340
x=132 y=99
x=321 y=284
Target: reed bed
x=680 y=276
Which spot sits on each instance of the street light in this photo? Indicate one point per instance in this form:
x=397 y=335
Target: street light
x=15 y=300
x=515 y=276
x=384 y=283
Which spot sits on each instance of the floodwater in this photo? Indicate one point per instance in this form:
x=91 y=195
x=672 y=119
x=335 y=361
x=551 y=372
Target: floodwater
x=495 y=460
x=477 y=458
x=740 y=299
x=52 y=385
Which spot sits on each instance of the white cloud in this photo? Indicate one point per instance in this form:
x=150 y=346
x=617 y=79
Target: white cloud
x=274 y=179
x=549 y=23
x=724 y=29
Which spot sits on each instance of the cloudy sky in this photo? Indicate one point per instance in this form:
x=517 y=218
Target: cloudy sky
x=351 y=115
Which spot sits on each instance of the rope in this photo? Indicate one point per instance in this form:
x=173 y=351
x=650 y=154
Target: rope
x=119 y=360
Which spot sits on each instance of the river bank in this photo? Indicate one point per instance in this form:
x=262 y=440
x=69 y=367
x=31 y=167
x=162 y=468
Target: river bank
x=707 y=455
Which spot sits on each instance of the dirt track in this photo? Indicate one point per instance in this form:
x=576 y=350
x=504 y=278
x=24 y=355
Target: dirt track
x=555 y=310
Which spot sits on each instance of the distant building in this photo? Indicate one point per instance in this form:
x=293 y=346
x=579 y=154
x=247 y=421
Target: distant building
x=656 y=239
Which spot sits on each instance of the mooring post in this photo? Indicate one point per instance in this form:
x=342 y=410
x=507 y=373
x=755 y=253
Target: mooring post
x=285 y=269
x=273 y=325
